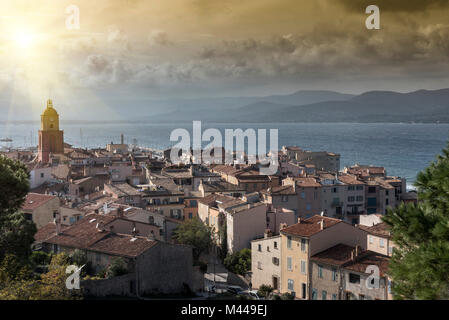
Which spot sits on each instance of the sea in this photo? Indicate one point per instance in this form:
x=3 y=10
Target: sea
x=403 y=149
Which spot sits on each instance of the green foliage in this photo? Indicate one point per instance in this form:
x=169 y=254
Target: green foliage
x=239 y=262
x=287 y=296
x=16 y=233
x=265 y=290
x=19 y=285
x=420 y=262
x=224 y=241
x=195 y=233
x=40 y=258
x=117 y=268
x=14 y=185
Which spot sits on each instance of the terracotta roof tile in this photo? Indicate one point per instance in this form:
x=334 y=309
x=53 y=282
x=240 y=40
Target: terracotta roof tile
x=310 y=226
x=35 y=200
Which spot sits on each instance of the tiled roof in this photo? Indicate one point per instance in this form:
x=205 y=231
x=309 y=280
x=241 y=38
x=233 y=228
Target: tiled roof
x=47 y=231
x=369 y=259
x=123 y=245
x=349 y=179
x=220 y=186
x=279 y=190
x=310 y=226
x=83 y=233
x=336 y=256
x=35 y=200
x=306 y=182
x=380 y=229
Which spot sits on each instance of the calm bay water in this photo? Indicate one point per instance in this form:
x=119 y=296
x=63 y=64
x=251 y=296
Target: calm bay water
x=404 y=149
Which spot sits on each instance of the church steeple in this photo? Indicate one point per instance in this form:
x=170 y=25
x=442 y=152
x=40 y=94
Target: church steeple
x=50 y=118
x=51 y=139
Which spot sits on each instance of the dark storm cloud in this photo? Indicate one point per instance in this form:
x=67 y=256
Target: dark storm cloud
x=395 y=5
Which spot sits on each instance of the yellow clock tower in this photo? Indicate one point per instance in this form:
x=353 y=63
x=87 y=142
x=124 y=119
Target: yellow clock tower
x=51 y=139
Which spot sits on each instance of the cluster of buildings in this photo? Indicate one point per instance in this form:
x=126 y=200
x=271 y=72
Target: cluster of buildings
x=313 y=229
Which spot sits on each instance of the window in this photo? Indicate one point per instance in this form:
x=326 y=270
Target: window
x=320 y=272
x=284 y=198
x=372 y=190
x=42 y=174
x=372 y=202
x=259 y=265
x=354 y=278
x=303 y=245
x=303 y=290
x=308 y=207
x=371 y=239
x=361 y=297
x=334 y=296
x=289 y=263
x=290 y=284
x=289 y=242
x=275 y=244
x=259 y=248
x=303 y=267
x=359 y=198
x=351 y=199
x=275 y=261
x=359 y=188
x=387 y=202
x=334 y=274
x=334 y=190
x=314 y=294
x=190 y=215
x=193 y=203
x=381 y=243
x=324 y=295
x=351 y=188
x=390 y=250
x=303 y=195
x=29 y=216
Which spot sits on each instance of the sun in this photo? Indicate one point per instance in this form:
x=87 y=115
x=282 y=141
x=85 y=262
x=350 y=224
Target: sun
x=24 y=40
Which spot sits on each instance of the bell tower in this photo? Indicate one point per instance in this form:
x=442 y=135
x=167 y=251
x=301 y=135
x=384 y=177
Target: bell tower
x=51 y=139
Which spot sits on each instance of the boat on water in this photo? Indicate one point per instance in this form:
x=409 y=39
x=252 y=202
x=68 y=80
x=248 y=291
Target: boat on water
x=5 y=140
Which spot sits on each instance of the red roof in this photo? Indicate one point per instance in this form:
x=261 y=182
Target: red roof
x=35 y=200
x=310 y=226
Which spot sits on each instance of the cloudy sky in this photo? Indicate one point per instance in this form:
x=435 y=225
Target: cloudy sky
x=153 y=49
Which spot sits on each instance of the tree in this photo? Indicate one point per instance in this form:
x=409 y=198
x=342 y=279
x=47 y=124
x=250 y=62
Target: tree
x=265 y=290
x=16 y=233
x=239 y=262
x=419 y=264
x=195 y=233
x=21 y=285
x=116 y=268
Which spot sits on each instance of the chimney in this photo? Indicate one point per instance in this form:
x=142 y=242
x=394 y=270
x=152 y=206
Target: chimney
x=299 y=219
x=267 y=233
x=357 y=250
x=352 y=255
x=57 y=222
x=322 y=224
x=151 y=236
x=282 y=226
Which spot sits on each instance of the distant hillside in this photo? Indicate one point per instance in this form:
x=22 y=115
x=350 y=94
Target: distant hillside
x=374 y=106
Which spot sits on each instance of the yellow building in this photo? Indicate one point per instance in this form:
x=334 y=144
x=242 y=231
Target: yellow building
x=301 y=241
x=51 y=139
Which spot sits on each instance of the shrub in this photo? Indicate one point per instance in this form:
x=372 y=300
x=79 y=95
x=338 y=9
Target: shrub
x=239 y=262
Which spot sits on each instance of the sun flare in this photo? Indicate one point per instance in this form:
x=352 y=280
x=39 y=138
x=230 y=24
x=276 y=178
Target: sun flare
x=25 y=39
